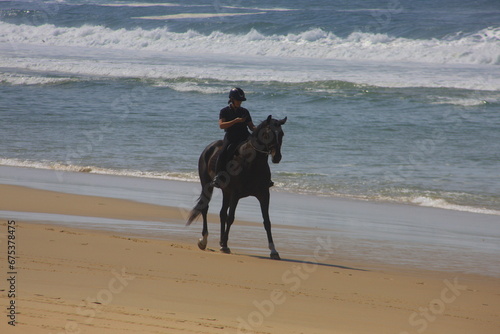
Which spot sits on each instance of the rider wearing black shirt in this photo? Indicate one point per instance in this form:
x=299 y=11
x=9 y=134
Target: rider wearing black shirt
x=235 y=121
x=237 y=132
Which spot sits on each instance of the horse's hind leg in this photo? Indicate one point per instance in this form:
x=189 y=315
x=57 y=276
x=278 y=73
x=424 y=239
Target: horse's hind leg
x=206 y=195
x=228 y=221
x=203 y=241
x=233 y=202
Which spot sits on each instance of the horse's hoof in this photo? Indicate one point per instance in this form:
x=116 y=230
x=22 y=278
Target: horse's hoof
x=225 y=250
x=275 y=256
x=202 y=244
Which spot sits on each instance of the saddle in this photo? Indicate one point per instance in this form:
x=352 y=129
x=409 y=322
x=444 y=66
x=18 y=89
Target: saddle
x=232 y=152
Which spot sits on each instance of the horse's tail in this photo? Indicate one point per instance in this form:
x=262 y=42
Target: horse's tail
x=202 y=204
x=192 y=216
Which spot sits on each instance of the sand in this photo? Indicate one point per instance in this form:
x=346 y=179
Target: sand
x=70 y=280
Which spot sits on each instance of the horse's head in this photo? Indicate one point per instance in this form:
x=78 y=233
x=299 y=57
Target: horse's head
x=268 y=137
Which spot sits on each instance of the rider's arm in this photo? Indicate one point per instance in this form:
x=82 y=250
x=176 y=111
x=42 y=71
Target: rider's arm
x=251 y=126
x=224 y=125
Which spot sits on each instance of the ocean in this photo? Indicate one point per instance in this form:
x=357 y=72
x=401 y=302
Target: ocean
x=387 y=100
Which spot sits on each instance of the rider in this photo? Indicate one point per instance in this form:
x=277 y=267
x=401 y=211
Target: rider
x=235 y=121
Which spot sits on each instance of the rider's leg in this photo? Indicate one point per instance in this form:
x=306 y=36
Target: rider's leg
x=220 y=179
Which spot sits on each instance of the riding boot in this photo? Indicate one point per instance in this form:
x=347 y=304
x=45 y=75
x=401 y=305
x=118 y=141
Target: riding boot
x=219 y=181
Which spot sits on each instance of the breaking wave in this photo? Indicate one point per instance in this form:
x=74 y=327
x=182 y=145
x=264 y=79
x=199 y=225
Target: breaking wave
x=482 y=47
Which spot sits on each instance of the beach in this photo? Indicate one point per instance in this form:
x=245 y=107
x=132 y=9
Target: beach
x=108 y=280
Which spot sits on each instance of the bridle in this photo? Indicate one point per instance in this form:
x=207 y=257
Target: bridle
x=260 y=151
x=270 y=147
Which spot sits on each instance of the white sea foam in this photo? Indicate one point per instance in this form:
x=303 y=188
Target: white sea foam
x=190 y=87
x=294 y=187
x=139 y=4
x=56 y=166
x=480 y=48
x=26 y=79
x=267 y=9
x=465 y=102
x=443 y=204
x=193 y=16
x=466 y=62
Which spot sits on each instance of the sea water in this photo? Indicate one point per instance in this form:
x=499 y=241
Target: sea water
x=387 y=100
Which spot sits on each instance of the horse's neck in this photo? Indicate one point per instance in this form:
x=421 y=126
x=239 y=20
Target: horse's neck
x=251 y=154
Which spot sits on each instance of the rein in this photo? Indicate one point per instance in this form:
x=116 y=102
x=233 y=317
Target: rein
x=260 y=151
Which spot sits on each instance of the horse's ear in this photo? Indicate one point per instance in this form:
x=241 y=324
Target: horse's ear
x=283 y=121
x=269 y=118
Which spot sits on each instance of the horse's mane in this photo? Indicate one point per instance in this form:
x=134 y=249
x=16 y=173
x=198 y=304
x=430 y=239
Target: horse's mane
x=262 y=124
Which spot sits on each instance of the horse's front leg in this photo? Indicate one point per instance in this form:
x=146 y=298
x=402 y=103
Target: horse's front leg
x=264 y=206
x=223 y=223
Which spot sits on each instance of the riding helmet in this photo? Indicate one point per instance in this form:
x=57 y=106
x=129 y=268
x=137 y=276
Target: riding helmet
x=237 y=94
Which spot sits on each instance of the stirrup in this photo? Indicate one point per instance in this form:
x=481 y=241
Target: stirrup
x=217 y=182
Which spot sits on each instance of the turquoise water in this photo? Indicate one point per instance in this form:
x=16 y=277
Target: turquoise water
x=386 y=100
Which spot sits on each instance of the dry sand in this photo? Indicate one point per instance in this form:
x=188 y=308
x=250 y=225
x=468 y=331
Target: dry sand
x=71 y=280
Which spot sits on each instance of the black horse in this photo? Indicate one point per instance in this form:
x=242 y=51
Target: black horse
x=247 y=174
